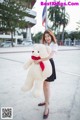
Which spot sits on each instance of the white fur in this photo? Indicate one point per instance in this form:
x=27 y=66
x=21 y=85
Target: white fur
x=35 y=72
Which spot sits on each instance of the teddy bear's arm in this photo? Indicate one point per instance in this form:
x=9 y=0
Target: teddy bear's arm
x=28 y=63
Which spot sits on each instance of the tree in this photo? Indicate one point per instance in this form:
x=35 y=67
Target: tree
x=78 y=25
x=37 y=37
x=74 y=35
x=66 y=35
x=12 y=15
x=54 y=17
x=26 y=3
x=64 y=21
x=58 y=17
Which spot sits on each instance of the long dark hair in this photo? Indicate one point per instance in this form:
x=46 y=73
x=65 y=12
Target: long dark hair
x=53 y=38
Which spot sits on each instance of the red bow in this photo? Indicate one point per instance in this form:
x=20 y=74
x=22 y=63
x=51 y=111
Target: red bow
x=41 y=63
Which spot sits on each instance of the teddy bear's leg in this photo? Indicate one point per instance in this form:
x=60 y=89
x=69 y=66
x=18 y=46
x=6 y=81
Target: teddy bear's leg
x=28 y=83
x=38 y=88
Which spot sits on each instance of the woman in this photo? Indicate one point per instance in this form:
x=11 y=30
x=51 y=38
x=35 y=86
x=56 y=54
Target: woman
x=49 y=39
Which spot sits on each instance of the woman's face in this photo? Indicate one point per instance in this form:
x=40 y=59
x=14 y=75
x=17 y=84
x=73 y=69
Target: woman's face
x=47 y=38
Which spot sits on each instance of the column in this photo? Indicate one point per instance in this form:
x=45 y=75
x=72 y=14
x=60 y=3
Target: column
x=28 y=36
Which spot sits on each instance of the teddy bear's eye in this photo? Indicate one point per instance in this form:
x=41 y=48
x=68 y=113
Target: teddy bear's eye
x=38 y=51
x=32 y=51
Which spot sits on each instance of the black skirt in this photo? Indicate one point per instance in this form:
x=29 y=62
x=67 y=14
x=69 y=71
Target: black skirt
x=53 y=76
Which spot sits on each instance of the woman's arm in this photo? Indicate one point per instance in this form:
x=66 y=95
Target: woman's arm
x=54 y=50
x=47 y=58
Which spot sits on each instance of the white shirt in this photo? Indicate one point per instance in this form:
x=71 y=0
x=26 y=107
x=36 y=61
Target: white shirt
x=54 y=46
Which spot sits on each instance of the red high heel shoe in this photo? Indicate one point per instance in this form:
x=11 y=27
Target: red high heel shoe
x=45 y=116
x=41 y=104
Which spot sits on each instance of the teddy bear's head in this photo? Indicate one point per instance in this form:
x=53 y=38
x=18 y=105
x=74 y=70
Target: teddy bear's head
x=40 y=50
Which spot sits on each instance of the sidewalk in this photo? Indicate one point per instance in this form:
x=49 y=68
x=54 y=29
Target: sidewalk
x=65 y=91
x=28 y=49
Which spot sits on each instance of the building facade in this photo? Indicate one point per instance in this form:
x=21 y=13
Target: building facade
x=30 y=22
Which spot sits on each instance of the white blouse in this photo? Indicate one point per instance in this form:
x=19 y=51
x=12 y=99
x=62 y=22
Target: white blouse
x=54 y=46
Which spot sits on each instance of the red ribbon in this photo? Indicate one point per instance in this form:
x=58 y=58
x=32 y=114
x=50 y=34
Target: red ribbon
x=41 y=63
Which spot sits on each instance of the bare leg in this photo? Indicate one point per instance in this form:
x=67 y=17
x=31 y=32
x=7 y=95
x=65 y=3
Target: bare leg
x=46 y=90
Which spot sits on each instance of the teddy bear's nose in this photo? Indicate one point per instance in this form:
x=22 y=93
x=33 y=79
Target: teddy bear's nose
x=32 y=51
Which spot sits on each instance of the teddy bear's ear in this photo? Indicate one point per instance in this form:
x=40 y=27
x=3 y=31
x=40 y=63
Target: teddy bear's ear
x=48 y=49
x=36 y=44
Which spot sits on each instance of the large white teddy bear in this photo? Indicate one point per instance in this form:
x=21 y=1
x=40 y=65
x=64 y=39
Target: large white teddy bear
x=37 y=72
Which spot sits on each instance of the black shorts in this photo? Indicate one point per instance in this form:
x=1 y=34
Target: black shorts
x=53 y=76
